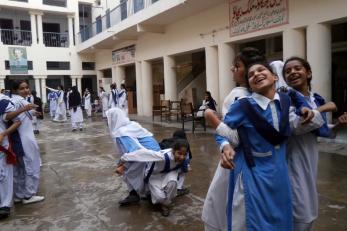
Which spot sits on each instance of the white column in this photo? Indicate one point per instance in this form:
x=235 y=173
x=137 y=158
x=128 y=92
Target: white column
x=33 y=27
x=73 y=80
x=39 y=28
x=79 y=84
x=294 y=43
x=319 y=57
x=212 y=84
x=99 y=78
x=43 y=87
x=138 y=88
x=120 y=75
x=114 y=74
x=170 y=79
x=226 y=55
x=70 y=25
x=147 y=88
x=2 y=81
x=37 y=86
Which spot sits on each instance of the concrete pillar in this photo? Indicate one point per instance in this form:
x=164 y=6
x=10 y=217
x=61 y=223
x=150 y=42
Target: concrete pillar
x=39 y=28
x=226 y=55
x=120 y=75
x=212 y=83
x=73 y=80
x=147 y=88
x=319 y=57
x=37 y=86
x=71 y=35
x=2 y=81
x=79 y=84
x=99 y=77
x=114 y=74
x=43 y=87
x=33 y=27
x=170 y=79
x=138 y=88
x=294 y=43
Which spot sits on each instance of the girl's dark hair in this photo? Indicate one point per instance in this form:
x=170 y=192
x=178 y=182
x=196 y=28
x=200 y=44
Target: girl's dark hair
x=123 y=86
x=101 y=88
x=61 y=87
x=179 y=134
x=208 y=94
x=248 y=55
x=16 y=83
x=260 y=62
x=304 y=63
x=180 y=143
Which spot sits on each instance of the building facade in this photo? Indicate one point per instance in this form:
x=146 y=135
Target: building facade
x=174 y=49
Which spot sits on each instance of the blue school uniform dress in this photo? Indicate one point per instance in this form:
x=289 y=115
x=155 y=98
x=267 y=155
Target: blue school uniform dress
x=259 y=195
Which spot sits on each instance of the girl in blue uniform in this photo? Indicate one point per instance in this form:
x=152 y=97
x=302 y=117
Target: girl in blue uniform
x=259 y=196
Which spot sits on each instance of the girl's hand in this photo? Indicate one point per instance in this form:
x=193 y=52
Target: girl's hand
x=307 y=115
x=2 y=136
x=29 y=107
x=227 y=157
x=342 y=120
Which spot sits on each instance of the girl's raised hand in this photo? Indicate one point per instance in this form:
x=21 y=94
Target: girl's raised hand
x=307 y=115
x=227 y=157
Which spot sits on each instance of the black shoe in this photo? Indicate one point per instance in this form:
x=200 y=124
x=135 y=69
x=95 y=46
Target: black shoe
x=81 y=129
x=183 y=191
x=130 y=199
x=4 y=212
x=165 y=210
x=73 y=130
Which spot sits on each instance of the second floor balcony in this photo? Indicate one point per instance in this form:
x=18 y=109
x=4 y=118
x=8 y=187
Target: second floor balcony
x=16 y=37
x=51 y=39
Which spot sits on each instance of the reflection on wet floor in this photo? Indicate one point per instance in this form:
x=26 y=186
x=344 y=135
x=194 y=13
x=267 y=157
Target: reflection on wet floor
x=82 y=192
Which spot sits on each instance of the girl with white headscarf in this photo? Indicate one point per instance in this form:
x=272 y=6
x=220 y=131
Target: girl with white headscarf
x=129 y=136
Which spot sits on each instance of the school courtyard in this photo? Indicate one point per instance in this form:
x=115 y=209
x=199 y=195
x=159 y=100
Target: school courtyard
x=82 y=192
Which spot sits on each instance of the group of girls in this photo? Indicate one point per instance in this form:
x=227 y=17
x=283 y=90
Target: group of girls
x=147 y=170
x=118 y=98
x=19 y=152
x=266 y=179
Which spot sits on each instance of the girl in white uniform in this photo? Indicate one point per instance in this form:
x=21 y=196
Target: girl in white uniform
x=7 y=158
x=162 y=173
x=104 y=101
x=60 y=113
x=123 y=99
x=87 y=103
x=26 y=175
x=75 y=109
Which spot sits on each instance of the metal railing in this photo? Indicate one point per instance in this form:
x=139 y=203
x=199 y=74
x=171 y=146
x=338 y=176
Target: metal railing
x=16 y=37
x=61 y=3
x=125 y=9
x=51 y=39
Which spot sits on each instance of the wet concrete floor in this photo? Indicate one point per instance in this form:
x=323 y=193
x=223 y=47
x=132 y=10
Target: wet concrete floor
x=82 y=193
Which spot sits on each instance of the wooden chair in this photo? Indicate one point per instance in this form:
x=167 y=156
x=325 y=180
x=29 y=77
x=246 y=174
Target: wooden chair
x=165 y=109
x=175 y=109
x=155 y=111
x=188 y=114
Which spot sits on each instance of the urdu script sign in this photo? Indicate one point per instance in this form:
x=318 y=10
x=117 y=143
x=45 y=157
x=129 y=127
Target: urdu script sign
x=251 y=15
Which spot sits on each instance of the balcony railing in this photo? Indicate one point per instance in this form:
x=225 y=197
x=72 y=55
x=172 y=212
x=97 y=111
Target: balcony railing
x=16 y=37
x=61 y=3
x=51 y=39
x=125 y=9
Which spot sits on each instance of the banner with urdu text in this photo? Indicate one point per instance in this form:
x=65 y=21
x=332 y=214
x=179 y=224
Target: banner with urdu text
x=251 y=15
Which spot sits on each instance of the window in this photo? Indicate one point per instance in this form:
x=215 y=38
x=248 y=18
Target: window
x=138 y=5
x=61 y=3
x=7 y=65
x=88 y=66
x=108 y=19
x=98 y=24
x=52 y=65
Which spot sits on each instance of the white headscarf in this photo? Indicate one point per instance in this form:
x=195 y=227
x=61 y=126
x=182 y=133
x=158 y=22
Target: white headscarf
x=277 y=67
x=120 y=125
